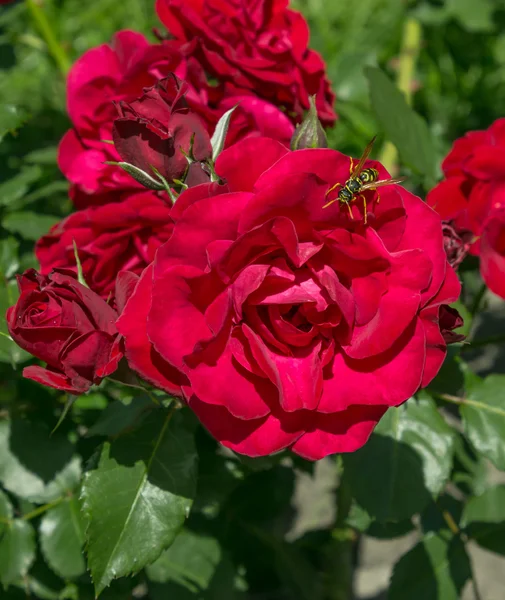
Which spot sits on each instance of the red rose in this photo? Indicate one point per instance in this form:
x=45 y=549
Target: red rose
x=157 y=132
x=472 y=197
x=293 y=325
x=66 y=325
x=120 y=72
x=109 y=239
x=100 y=76
x=256 y=45
x=456 y=243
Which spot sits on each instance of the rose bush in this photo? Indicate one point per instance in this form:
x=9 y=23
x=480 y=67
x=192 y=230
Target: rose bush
x=472 y=198
x=69 y=327
x=284 y=324
x=260 y=46
x=109 y=239
x=119 y=73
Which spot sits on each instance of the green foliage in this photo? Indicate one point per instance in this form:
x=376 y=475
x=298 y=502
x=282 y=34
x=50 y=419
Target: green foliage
x=407 y=459
x=17 y=544
x=35 y=466
x=436 y=568
x=108 y=493
x=483 y=414
x=138 y=497
x=62 y=537
x=193 y=567
x=484 y=519
x=406 y=129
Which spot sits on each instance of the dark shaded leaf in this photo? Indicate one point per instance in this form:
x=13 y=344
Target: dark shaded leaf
x=436 y=568
x=119 y=416
x=484 y=519
x=407 y=459
x=34 y=465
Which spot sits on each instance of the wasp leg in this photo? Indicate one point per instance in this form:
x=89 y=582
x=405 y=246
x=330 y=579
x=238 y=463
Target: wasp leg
x=378 y=197
x=333 y=187
x=351 y=167
x=350 y=210
x=330 y=203
x=365 y=218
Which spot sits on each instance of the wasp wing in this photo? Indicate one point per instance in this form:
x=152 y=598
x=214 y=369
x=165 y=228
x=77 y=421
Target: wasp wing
x=366 y=153
x=377 y=184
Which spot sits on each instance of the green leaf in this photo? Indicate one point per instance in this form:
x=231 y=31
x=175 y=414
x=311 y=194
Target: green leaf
x=119 y=416
x=141 y=176
x=154 y=468
x=13 y=190
x=408 y=459
x=10 y=352
x=9 y=262
x=297 y=573
x=61 y=539
x=80 y=274
x=402 y=125
x=436 y=568
x=473 y=16
x=358 y=518
x=484 y=519
x=43 y=156
x=194 y=563
x=218 y=139
x=17 y=551
x=17 y=544
x=29 y=225
x=34 y=465
x=483 y=414
x=11 y=118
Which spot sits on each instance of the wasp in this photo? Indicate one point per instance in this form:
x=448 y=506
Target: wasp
x=359 y=181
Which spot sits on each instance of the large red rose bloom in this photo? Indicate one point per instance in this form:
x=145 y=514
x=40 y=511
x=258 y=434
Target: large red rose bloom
x=472 y=198
x=259 y=46
x=290 y=325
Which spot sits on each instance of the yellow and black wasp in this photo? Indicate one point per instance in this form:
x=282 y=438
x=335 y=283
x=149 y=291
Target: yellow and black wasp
x=359 y=181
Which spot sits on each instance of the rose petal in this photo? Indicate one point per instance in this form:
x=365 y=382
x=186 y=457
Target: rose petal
x=59 y=381
x=140 y=353
x=257 y=437
x=387 y=379
x=344 y=431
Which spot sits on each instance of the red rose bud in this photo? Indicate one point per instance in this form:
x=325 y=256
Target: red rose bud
x=450 y=319
x=456 y=243
x=157 y=133
x=310 y=133
x=69 y=327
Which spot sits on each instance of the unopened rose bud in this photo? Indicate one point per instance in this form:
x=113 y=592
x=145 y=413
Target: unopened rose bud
x=456 y=243
x=449 y=320
x=155 y=134
x=310 y=132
